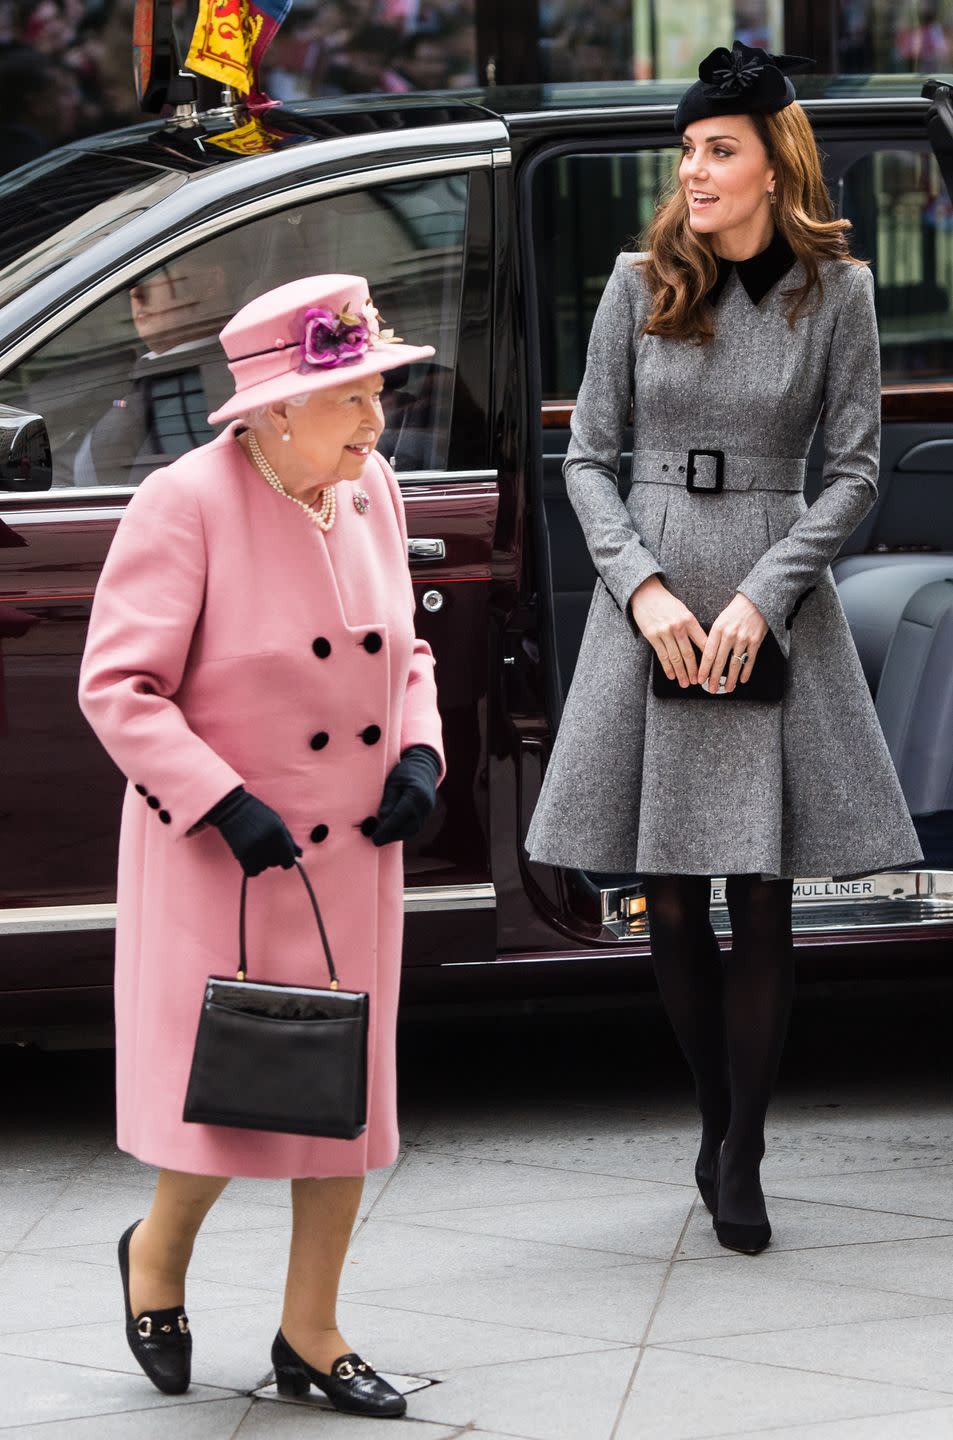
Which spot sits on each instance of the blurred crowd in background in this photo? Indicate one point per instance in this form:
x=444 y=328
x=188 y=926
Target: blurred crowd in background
x=66 y=65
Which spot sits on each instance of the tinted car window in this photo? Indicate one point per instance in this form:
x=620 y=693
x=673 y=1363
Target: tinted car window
x=903 y=223
x=128 y=386
x=57 y=206
x=585 y=209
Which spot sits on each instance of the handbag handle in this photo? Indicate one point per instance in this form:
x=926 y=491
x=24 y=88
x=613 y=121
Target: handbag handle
x=242 y=958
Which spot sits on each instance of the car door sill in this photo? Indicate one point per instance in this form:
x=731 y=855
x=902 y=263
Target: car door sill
x=40 y=919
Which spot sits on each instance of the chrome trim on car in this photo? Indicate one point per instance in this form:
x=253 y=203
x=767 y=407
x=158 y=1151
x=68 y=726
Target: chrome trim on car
x=450 y=897
x=292 y=194
x=45 y=517
x=891 y=900
x=64 y=494
x=635 y=110
x=46 y=919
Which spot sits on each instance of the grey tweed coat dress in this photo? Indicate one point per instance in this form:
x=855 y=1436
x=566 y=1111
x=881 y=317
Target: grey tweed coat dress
x=715 y=785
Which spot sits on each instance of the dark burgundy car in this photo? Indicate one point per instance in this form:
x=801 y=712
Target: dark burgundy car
x=487 y=223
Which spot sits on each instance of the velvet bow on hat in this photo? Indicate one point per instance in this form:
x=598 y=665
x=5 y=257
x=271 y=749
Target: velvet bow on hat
x=739 y=81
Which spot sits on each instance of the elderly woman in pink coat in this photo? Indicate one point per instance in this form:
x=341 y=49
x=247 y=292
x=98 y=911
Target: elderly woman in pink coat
x=252 y=669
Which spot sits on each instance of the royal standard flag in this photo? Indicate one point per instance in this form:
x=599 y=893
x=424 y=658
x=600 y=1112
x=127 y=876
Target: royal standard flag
x=231 y=37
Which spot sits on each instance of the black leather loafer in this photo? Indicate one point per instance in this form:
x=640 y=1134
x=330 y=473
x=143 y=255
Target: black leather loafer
x=160 y=1339
x=352 y=1385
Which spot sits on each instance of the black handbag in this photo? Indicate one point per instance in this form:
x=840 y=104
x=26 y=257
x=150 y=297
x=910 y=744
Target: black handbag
x=766 y=684
x=280 y=1057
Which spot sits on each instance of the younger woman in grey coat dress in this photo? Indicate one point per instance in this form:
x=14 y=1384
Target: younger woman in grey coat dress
x=746 y=318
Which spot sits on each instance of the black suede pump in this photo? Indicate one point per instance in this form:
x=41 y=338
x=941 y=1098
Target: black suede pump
x=160 y=1339
x=745 y=1239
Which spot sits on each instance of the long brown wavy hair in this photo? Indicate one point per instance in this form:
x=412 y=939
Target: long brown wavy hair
x=681 y=266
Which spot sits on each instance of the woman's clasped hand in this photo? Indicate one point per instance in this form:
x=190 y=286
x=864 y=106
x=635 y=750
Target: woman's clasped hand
x=259 y=838
x=671 y=628
x=410 y=793
x=256 y=834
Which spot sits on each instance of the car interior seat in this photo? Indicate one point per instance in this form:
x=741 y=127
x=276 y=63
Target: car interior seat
x=915 y=708
x=874 y=590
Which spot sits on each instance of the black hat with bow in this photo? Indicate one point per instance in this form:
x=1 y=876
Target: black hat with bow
x=739 y=81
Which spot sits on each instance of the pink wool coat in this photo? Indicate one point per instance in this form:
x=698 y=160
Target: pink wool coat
x=232 y=642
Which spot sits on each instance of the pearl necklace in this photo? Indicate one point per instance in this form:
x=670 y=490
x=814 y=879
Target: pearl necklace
x=323 y=517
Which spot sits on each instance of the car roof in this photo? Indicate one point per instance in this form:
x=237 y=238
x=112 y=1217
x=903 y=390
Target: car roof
x=521 y=108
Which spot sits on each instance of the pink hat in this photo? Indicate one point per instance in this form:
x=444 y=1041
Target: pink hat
x=304 y=336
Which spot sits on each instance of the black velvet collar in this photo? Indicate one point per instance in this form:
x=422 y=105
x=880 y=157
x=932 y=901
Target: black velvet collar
x=759 y=273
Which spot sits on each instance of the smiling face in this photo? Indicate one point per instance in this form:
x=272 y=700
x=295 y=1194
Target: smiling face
x=726 y=175
x=338 y=427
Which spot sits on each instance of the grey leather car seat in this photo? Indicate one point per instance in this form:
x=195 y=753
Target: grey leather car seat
x=915 y=708
x=874 y=590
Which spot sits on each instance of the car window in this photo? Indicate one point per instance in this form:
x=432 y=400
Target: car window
x=585 y=209
x=900 y=209
x=57 y=206
x=129 y=385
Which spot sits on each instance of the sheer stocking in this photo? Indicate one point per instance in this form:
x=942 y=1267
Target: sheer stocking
x=687 y=964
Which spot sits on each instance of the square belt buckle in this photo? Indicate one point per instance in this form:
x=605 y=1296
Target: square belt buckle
x=719 y=485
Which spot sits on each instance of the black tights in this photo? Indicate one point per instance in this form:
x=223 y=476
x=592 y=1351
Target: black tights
x=729 y=1013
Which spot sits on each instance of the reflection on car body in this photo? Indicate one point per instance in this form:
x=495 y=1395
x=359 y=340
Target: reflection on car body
x=488 y=222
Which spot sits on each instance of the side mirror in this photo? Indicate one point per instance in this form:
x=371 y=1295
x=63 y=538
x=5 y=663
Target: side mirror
x=26 y=460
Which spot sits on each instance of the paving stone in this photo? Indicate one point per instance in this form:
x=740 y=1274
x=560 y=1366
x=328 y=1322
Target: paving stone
x=923 y=1425
x=187 y=1418
x=231 y=1344
x=24 y=1205
x=742 y=1295
x=607 y=1299
x=386 y=1255
x=802 y=1225
x=921 y=1268
x=32 y=1158
x=615 y=1144
x=50 y=1290
x=678 y=1396
x=924 y=1191
x=86 y=1212
x=915 y=1350
x=643 y=1221
x=432 y=1184
x=416 y=1343
x=555 y=1399
x=41 y=1390
x=293 y=1421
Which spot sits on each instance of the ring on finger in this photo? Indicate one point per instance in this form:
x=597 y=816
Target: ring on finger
x=742 y=659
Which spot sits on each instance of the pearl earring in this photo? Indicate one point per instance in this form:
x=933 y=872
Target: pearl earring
x=286 y=435
x=771 y=196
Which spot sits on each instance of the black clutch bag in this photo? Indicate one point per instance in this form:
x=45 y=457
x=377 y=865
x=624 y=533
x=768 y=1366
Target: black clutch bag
x=280 y=1057
x=766 y=684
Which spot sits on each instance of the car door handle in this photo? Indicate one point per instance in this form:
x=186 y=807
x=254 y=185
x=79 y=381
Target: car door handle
x=419 y=549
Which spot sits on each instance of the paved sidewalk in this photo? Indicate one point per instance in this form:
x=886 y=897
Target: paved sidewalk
x=538 y=1249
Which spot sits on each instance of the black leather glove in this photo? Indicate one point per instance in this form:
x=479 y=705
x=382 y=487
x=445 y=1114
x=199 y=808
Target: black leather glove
x=410 y=793
x=256 y=834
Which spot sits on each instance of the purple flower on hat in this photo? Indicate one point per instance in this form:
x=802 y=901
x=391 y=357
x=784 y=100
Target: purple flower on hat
x=333 y=339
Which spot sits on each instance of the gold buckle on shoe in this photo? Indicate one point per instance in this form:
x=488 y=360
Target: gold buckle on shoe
x=183 y=1325
x=146 y=1321
x=345 y=1370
